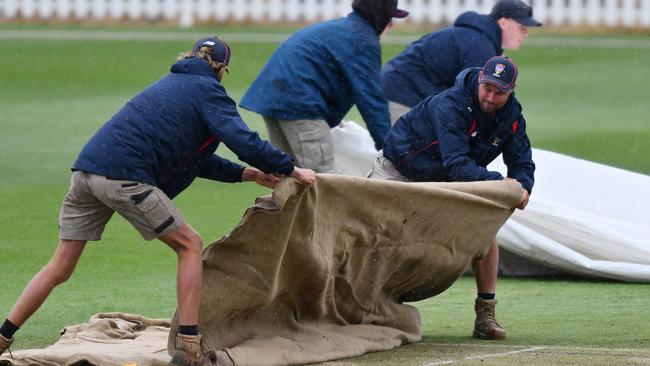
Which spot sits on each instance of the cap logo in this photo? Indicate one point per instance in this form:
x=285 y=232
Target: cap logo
x=209 y=43
x=498 y=69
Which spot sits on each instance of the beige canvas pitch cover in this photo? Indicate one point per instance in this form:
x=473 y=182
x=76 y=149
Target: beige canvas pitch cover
x=314 y=274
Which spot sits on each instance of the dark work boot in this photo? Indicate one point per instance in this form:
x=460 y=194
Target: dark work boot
x=485 y=325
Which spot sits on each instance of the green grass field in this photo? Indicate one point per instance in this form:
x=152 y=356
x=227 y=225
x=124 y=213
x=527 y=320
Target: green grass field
x=586 y=102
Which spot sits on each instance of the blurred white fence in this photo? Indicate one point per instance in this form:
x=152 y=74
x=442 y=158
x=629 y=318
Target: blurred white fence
x=610 y=13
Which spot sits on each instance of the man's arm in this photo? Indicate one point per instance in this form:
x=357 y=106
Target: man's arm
x=222 y=119
x=362 y=68
x=518 y=156
x=451 y=123
x=223 y=170
x=304 y=176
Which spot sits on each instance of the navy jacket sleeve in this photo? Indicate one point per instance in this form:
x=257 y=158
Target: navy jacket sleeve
x=223 y=170
x=364 y=75
x=451 y=123
x=223 y=120
x=518 y=157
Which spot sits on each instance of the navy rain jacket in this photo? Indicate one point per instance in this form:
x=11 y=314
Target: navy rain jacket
x=447 y=137
x=320 y=72
x=166 y=136
x=430 y=65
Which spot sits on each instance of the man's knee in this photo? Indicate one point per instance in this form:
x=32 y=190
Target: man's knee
x=62 y=265
x=191 y=243
x=60 y=273
x=195 y=243
x=184 y=239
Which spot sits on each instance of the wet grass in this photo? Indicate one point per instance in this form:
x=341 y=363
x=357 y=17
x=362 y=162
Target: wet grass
x=584 y=102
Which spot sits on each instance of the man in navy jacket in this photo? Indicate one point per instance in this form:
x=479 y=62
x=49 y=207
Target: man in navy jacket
x=145 y=155
x=312 y=80
x=430 y=64
x=452 y=137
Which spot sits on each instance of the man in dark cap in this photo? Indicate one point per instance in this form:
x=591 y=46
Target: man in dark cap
x=145 y=155
x=430 y=64
x=312 y=80
x=453 y=136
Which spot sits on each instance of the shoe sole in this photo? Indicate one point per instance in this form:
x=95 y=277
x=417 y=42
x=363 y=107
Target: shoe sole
x=178 y=361
x=480 y=335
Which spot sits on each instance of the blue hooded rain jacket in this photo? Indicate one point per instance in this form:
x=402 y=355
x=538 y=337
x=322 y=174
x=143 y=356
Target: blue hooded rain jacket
x=430 y=65
x=166 y=136
x=320 y=72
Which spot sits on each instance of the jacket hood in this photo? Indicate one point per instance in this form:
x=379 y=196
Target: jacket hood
x=464 y=78
x=482 y=23
x=193 y=66
x=377 y=12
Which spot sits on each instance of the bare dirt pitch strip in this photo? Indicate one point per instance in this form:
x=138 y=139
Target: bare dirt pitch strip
x=491 y=354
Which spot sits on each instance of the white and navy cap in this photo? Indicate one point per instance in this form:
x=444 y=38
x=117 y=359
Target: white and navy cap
x=500 y=71
x=220 y=49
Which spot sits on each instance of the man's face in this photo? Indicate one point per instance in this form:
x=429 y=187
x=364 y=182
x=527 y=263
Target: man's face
x=513 y=33
x=222 y=71
x=491 y=98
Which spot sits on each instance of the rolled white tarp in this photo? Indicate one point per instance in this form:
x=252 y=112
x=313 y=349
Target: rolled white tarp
x=583 y=217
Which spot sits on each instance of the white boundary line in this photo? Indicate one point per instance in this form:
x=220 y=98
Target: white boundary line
x=587 y=42
x=646 y=350
x=487 y=355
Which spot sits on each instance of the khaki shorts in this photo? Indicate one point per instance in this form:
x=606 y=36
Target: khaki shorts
x=309 y=142
x=92 y=200
x=383 y=169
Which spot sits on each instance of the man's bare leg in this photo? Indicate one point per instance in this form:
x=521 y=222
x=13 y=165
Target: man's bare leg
x=485 y=270
x=188 y=245
x=58 y=270
x=485 y=274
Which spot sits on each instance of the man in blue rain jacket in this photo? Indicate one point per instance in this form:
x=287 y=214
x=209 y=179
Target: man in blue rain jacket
x=146 y=154
x=430 y=64
x=452 y=137
x=313 y=79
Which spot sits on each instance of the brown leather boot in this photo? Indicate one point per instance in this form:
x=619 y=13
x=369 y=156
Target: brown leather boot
x=485 y=325
x=190 y=352
x=5 y=343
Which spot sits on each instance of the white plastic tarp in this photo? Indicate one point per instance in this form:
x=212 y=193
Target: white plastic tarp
x=583 y=217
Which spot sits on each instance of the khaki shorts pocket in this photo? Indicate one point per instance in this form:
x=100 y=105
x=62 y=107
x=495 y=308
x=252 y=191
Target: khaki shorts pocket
x=144 y=201
x=148 y=209
x=154 y=210
x=316 y=147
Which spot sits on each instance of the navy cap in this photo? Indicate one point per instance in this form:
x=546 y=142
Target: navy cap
x=515 y=9
x=501 y=72
x=399 y=13
x=220 y=49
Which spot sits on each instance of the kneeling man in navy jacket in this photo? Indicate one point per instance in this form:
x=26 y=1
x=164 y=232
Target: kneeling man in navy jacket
x=452 y=137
